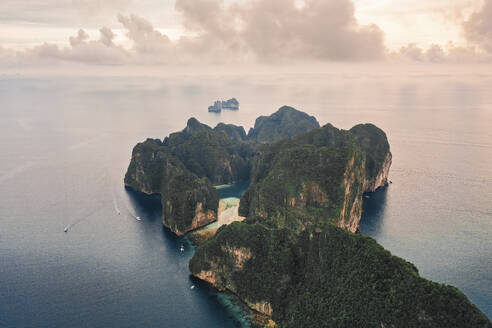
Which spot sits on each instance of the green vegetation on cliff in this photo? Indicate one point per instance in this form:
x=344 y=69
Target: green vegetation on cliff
x=188 y=202
x=285 y=123
x=155 y=170
x=316 y=176
x=289 y=259
x=219 y=154
x=184 y=167
x=375 y=144
x=319 y=172
x=328 y=277
x=145 y=172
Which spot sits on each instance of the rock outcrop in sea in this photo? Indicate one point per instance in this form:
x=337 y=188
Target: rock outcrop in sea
x=285 y=157
x=319 y=175
x=324 y=276
x=188 y=202
x=184 y=168
x=294 y=259
x=219 y=105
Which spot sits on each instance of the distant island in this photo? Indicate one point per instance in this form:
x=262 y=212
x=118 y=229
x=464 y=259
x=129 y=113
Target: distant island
x=218 y=106
x=294 y=258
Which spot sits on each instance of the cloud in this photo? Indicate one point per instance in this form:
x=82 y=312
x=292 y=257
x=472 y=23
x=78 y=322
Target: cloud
x=81 y=38
x=107 y=36
x=412 y=52
x=252 y=31
x=59 y=11
x=7 y=56
x=149 y=46
x=281 y=29
x=81 y=49
x=448 y=53
x=434 y=54
x=146 y=39
x=478 y=28
x=257 y=30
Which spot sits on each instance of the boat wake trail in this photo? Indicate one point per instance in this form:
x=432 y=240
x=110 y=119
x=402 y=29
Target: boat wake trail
x=132 y=213
x=82 y=219
x=115 y=205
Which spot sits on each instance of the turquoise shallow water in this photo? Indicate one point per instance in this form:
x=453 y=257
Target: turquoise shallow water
x=233 y=191
x=66 y=142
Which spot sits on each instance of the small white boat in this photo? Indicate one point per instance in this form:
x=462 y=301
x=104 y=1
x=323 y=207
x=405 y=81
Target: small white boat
x=66 y=229
x=192 y=287
x=138 y=218
x=366 y=196
x=182 y=249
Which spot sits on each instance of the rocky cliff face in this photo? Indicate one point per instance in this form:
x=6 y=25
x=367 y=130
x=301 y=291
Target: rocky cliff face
x=377 y=152
x=316 y=171
x=220 y=273
x=217 y=273
x=325 y=276
x=221 y=155
x=144 y=173
x=285 y=123
x=232 y=257
x=188 y=202
x=321 y=173
x=318 y=175
x=184 y=167
x=289 y=260
x=351 y=212
x=371 y=184
x=236 y=133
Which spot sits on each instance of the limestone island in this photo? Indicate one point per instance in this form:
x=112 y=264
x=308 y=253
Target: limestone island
x=218 y=106
x=293 y=255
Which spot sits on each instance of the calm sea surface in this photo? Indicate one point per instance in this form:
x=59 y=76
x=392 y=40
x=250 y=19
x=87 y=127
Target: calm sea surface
x=65 y=144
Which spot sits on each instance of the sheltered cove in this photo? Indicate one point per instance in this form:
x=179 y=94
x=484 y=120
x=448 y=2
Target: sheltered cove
x=294 y=258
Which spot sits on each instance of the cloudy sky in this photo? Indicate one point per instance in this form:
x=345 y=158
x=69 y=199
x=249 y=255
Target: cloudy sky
x=118 y=32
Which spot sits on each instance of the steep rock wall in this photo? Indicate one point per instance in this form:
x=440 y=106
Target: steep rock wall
x=381 y=179
x=327 y=277
x=188 y=202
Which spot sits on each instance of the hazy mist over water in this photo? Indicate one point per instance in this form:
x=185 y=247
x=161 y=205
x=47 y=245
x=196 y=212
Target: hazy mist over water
x=66 y=143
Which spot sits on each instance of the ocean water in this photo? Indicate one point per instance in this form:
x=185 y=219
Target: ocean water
x=66 y=142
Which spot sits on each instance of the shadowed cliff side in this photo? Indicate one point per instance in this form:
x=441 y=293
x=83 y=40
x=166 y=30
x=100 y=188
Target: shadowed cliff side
x=318 y=176
x=184 y=167
x=377 y=152
x=316 y=173
x=290 y=261
x=188 y=201
x=325 y=276
x=221 y=155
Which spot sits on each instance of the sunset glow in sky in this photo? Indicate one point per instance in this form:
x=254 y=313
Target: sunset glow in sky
x=156 y=31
